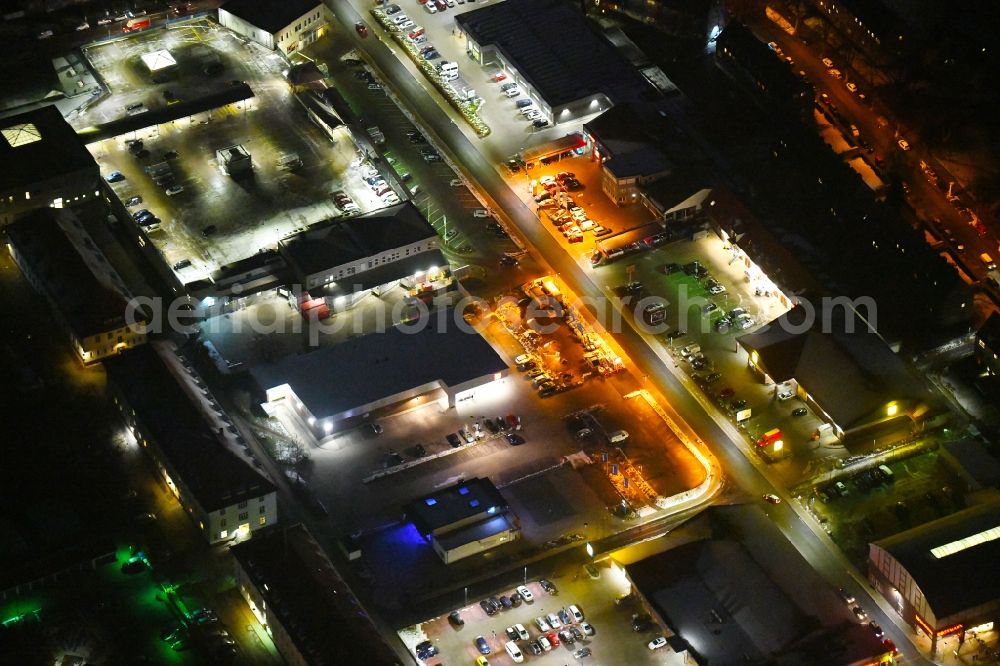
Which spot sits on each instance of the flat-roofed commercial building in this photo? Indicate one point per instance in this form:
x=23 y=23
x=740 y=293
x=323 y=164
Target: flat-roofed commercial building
x=549 y=48
x=223 y=495
x=330 y=388
x=43 y=164
x=91 y=311
x=941 y=576
x=285 y=25
x=308 y=610
x=463 y=519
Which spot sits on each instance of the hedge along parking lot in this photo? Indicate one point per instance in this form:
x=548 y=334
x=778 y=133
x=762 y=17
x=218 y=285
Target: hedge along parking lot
x=467 y=108
x=613 y=641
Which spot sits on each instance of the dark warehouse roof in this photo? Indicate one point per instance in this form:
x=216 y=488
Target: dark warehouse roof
x=342 y=241
x=554 y=47
x=954 y=582
x=270 y=15
x=56 y=152
x=215 y=476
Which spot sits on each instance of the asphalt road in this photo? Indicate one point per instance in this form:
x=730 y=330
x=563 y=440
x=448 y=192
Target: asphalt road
x=805 y=535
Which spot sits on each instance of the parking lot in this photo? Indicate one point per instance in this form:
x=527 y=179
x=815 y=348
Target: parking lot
x=510 y=130
x=206 y=216
x=612 y=641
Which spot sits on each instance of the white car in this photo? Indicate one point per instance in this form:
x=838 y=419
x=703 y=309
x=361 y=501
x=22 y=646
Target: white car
x=827 y=62
x=544 y=180
x=523 y=358
x=544 y=642
x=175 y=189
x=526 y=595
x=400 y=18
x=431 y=8
x=575 y=612
x=904 y=144
x=512 y=92
x=553 y=620
x=717 y=289
x=785 y=395
x=588 y=629
x=522 y=633
x=480 y=212
x=406 y=25
x=542 y=624
x=657 y=643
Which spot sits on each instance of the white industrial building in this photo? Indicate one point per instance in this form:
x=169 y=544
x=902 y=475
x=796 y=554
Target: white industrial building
x=331 y=388
x=283 y=25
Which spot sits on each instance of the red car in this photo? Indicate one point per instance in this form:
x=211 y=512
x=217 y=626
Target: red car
x=499 y=76
x=553 y=639
x=361 y=28
x=726 y=393
x=889 y=645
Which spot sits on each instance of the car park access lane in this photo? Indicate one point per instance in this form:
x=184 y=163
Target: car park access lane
x=807 y=537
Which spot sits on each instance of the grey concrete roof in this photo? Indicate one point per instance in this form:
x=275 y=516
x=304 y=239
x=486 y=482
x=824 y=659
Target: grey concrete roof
x=373 y=367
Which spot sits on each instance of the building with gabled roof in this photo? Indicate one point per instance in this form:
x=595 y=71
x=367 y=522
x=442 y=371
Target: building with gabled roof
x=839 y=366
x=358 y=253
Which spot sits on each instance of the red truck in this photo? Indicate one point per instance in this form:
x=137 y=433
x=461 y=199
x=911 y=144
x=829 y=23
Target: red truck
x=135 y=24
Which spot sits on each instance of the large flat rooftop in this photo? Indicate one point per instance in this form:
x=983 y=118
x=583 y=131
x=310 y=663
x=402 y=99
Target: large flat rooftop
x=311 y=600
x=87 y=304
x=555 y=49
x=331 y=381
x=215 y=476
x=39 y=146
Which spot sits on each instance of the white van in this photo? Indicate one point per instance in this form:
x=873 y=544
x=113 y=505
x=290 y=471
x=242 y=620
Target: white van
x=691 y=350
x=514 y=652
x=618 y=436
x=448 y=70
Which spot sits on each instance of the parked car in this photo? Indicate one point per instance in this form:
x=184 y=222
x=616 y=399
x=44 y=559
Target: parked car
x=482 y=645
x=657 y=643
x=525 y=593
